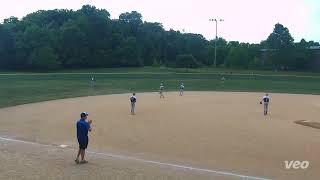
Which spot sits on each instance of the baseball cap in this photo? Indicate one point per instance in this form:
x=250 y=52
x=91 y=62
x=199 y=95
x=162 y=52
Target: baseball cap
x=83 y=114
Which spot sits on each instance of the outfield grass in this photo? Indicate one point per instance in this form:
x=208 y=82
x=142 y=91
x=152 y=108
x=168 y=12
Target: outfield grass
x=34 y=87
x=166 y=70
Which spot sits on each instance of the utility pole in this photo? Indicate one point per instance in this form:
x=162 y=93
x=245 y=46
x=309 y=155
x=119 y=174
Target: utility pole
x=215 y=42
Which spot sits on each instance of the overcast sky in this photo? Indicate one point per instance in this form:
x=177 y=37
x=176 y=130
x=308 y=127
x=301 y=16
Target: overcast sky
x=244 y=20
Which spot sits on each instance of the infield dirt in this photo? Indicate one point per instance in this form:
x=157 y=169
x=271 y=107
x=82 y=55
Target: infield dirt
x=223 y=131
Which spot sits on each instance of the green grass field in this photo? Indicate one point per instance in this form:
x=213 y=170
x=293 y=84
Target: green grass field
x=20 y=88
x=168 y=70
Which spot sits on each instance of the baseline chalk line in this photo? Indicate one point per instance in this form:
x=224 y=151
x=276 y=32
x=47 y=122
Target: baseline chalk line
x=185 y=167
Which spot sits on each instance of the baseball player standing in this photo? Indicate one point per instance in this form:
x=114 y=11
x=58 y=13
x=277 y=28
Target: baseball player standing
x=133 y=100
x=161 y=89
x=181 y=89
x=265 y=100
x=92 y=81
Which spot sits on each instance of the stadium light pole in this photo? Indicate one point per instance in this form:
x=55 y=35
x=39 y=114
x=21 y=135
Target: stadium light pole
x=215 y=42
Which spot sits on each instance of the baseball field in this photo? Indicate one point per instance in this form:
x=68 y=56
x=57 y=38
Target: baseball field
x=217 y=130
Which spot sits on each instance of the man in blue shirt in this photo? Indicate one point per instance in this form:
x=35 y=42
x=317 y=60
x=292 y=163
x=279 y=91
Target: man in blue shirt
x=83 y=126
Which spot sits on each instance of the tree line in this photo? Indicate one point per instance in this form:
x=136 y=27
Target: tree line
x=88 y=37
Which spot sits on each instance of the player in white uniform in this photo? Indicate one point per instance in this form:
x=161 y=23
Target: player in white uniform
x=181 y=89
x=265 y=100
x=161 y=89
x=133 y=100
x=92 y=81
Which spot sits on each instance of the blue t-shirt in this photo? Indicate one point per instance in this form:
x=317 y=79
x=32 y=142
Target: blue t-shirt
x=82 y=129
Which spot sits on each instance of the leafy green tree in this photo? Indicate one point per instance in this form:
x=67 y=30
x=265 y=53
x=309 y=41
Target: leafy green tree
x=7 y=47
x=151 y=43
x=73 y=49
x=89 y=38
x=222 y=52
x=44 y=58
x=280 y=38
x=130 y=23
x=303 y=44
x=134 y=18
x=186 y=61
x=238 y=57
x=313 y=43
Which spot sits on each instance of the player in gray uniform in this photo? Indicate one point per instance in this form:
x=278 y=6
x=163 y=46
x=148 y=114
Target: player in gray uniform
x=265 y=100
x=161 y=89
x=133 y=100
x=181 y=89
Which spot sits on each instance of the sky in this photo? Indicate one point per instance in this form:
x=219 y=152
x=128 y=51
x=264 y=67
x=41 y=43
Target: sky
x=244 y=20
